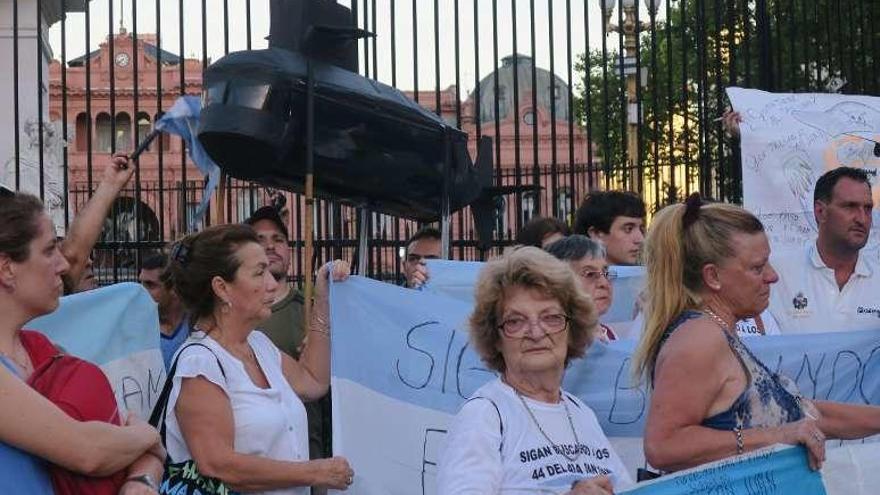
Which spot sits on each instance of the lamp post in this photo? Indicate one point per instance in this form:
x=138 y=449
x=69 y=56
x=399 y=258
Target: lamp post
x=630 y=31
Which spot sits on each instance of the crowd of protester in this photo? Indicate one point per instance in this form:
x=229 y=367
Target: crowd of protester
x=246 y=402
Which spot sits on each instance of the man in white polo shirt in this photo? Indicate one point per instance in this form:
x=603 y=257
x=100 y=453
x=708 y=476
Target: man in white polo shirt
x=831 y=285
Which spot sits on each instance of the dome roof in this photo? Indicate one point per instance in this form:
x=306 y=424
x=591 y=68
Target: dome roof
x=523 y=68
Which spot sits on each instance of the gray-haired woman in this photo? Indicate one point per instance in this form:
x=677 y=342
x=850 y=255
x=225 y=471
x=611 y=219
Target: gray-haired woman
x=587 y=258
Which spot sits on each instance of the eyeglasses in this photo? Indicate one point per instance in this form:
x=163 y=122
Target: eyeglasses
x=594 y=275
x=516 y=327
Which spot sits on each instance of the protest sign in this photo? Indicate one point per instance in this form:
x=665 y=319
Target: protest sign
x=788 y=141
x=402 y=366
x=117 y=328
x=772 y=471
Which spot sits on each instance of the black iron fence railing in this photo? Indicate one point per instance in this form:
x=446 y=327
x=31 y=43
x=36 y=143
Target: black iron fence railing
x=630 y=92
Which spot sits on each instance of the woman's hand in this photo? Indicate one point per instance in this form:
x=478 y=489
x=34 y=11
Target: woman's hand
x=338 y=270
x=132 y=420
x=807 y=433
x=334 y=473
x=599 y=485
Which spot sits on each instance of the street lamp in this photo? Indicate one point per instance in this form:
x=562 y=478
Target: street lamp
x=630 y=32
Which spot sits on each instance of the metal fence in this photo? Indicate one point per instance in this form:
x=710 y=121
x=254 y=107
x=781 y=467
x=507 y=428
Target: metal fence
x=577 y=95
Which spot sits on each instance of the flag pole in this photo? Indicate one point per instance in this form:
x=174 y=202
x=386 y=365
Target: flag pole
x=309 y=191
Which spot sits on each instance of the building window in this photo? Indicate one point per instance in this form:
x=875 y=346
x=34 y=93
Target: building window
x=103 y=129
x=502 y=102
x=164 y=137
x=563 y=204
x=143 y=128
x=382 y=225
x=123 y=132
x=247 y=201
x=529 y=118
x=83 y=128
x=529 y=205
x=191 y=221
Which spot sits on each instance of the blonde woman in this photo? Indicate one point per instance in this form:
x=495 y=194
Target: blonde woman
x=708 y=268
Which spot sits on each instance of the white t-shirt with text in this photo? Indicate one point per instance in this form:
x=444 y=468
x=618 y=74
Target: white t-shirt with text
x=480 y=459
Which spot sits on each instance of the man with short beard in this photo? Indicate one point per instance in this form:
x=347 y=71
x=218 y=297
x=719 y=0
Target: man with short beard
x=286 y=326
x=832 y=284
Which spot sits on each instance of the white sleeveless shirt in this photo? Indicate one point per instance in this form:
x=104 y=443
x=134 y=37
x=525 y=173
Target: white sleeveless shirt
x=268 y=422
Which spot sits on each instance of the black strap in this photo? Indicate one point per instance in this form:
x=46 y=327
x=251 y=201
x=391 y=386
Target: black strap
x=157 y=417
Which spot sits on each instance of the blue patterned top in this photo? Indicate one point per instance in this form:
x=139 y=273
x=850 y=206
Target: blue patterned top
x=770 y=399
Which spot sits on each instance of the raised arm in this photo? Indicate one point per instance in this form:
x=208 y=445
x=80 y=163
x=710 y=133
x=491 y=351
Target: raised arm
x=34 y=424
x=88 y=222
x=310 y=376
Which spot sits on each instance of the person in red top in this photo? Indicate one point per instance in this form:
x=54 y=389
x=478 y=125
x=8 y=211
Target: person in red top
x=75 y=430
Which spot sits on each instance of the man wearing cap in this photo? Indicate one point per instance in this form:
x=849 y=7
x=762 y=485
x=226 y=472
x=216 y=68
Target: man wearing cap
x=286 y=326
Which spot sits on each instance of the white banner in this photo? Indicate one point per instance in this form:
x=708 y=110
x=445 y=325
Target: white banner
x=789 y=141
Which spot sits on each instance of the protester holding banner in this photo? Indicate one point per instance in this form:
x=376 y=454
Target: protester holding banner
x=424 y=245
x=587 y=258
x=33 y=429
x=235 y=406
x=708 y=268
x=522 y=433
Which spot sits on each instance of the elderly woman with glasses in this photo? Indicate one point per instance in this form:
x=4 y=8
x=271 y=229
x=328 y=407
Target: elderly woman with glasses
x=521 y=433
x=587 y=258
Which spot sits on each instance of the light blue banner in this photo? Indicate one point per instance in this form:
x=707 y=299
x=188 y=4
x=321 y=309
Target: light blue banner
x=413 y=346
x=775 y=472
x=117 y=328
x=105 y=324
x=456 y=279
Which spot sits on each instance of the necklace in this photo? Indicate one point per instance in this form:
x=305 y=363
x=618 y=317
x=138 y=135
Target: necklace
x=577 y=441
x=23 y=366
x=717 y=319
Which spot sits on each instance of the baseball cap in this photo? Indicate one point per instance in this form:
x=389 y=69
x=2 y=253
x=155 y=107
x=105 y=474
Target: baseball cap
x=271 y=214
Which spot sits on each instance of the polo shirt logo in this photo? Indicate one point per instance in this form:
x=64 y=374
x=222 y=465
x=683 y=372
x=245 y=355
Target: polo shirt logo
x=863 y=310
x=800 y=302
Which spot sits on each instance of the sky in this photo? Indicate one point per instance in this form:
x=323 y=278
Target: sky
x=236 y=23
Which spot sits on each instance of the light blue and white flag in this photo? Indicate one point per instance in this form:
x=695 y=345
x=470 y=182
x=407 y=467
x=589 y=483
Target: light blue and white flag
x=182 y=119
x=117 y=328
x=402 y=366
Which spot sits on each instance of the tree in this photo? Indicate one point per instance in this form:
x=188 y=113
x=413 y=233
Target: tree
x=701 y=48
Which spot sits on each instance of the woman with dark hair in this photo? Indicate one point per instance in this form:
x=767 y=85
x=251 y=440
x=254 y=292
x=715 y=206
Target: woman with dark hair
x=708 y=268
x=531 y=318
x=235 y=406
x=542 y=231
x=33 y=430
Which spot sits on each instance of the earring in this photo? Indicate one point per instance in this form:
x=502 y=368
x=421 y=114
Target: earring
x=227 y=307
